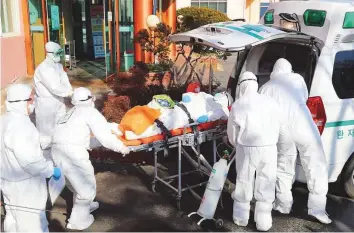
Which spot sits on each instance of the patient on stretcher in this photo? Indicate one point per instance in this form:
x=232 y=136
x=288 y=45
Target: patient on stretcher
x=141 y=121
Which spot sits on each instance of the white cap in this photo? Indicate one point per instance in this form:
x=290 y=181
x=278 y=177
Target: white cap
x=18 y=92
x=52 y=47
x=81 y=95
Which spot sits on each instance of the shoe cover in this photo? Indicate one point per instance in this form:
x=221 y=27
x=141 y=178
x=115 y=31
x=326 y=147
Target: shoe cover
x=263 y=226
x=281 y=209
x=320 y=216
x=94 y=206
x=80 y=226
x=241 y=223
x=263 y=216
x=263 y=221
x=241 y=211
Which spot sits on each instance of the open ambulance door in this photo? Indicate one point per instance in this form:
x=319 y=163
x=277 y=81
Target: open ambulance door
x=241 y=38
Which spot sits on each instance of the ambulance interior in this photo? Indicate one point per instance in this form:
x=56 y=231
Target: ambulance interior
x=261 y=59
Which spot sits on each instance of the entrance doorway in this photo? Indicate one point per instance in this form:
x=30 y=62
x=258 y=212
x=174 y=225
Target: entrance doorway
x=95 y=26
x=101 y=32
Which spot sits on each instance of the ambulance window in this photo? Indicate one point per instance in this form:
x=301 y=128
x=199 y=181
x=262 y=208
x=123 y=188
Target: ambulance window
x=271 y=54
x=343 y=74
x=297 y=55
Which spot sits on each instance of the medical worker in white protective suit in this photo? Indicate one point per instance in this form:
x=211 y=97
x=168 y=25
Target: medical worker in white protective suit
x=290 y=91
x=254 y=126
x=71 y=141
x=242 y=78
x=23 y=168
x=51 y=85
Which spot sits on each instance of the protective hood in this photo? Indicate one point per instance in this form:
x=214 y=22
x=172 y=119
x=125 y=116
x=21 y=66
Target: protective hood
x=247 y=84
x=17 y=97
x=281 y=67
x=54 y=51
x=82 y=97
x=18 y=107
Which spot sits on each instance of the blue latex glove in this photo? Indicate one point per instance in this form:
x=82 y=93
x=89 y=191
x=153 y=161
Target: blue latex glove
x=56 y=173
x=202 y=119
x=186 y=99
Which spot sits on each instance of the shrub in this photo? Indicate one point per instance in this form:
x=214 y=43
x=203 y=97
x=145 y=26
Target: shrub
x=115 y=108
x=125 y=85
x=194 y=17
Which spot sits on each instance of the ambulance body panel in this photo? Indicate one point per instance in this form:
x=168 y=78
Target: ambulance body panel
x=338 y=135
x=323 y=55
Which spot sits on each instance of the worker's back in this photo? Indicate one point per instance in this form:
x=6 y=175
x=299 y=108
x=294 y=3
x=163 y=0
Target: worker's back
x=258 y=119
x=73 y=128
x=287 y=88
x=11 y=125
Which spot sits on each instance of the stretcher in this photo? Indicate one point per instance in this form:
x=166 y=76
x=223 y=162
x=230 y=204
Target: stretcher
x=191 y=136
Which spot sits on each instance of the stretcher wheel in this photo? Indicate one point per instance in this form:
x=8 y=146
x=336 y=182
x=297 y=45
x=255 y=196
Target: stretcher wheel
x=219 y=223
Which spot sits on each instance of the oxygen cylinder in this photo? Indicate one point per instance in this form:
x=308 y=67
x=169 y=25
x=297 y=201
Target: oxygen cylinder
x=214 y=188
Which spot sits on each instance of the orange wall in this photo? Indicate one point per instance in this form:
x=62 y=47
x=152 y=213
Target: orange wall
x=13 y=54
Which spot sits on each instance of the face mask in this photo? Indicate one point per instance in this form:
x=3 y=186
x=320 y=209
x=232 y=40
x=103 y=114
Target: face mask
x=55 y=57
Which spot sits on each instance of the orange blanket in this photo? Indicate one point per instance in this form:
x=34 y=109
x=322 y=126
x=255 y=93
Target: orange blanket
x=138 y=119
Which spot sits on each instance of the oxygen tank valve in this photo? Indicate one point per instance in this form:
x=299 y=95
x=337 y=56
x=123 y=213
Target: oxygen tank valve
x=226 y=155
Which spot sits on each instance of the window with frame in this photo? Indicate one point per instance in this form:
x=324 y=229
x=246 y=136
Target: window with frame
x=9 y=16
x=343 y=74
x=219 y=5
x=297 y=55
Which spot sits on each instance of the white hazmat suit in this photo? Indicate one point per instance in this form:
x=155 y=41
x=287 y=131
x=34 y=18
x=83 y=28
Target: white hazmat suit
x=23 y=168
x=290 y=91
x=71 y=141
x=246 y=76
x=253 y=129
x=51 y=85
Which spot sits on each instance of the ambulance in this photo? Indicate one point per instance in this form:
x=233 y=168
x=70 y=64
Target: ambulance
x=317 y=37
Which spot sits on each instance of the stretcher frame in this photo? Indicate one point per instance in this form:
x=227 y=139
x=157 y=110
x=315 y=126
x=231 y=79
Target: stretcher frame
x=192 y=140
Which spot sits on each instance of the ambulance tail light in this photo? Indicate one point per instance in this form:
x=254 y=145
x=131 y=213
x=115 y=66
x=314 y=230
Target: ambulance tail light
x=315 y=104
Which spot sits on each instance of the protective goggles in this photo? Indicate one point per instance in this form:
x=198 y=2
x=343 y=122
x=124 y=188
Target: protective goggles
x=249 y=79
x=15 y=101
x=58 y=53
x=89 y=97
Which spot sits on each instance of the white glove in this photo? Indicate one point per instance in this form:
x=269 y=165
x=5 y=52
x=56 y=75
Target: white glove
x=124 y=151
x=45 y=141
x=114 y=129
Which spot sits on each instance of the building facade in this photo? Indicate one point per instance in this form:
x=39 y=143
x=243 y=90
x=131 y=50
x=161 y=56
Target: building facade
x=13 y=53
x=250 y=10
x=102 y=30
